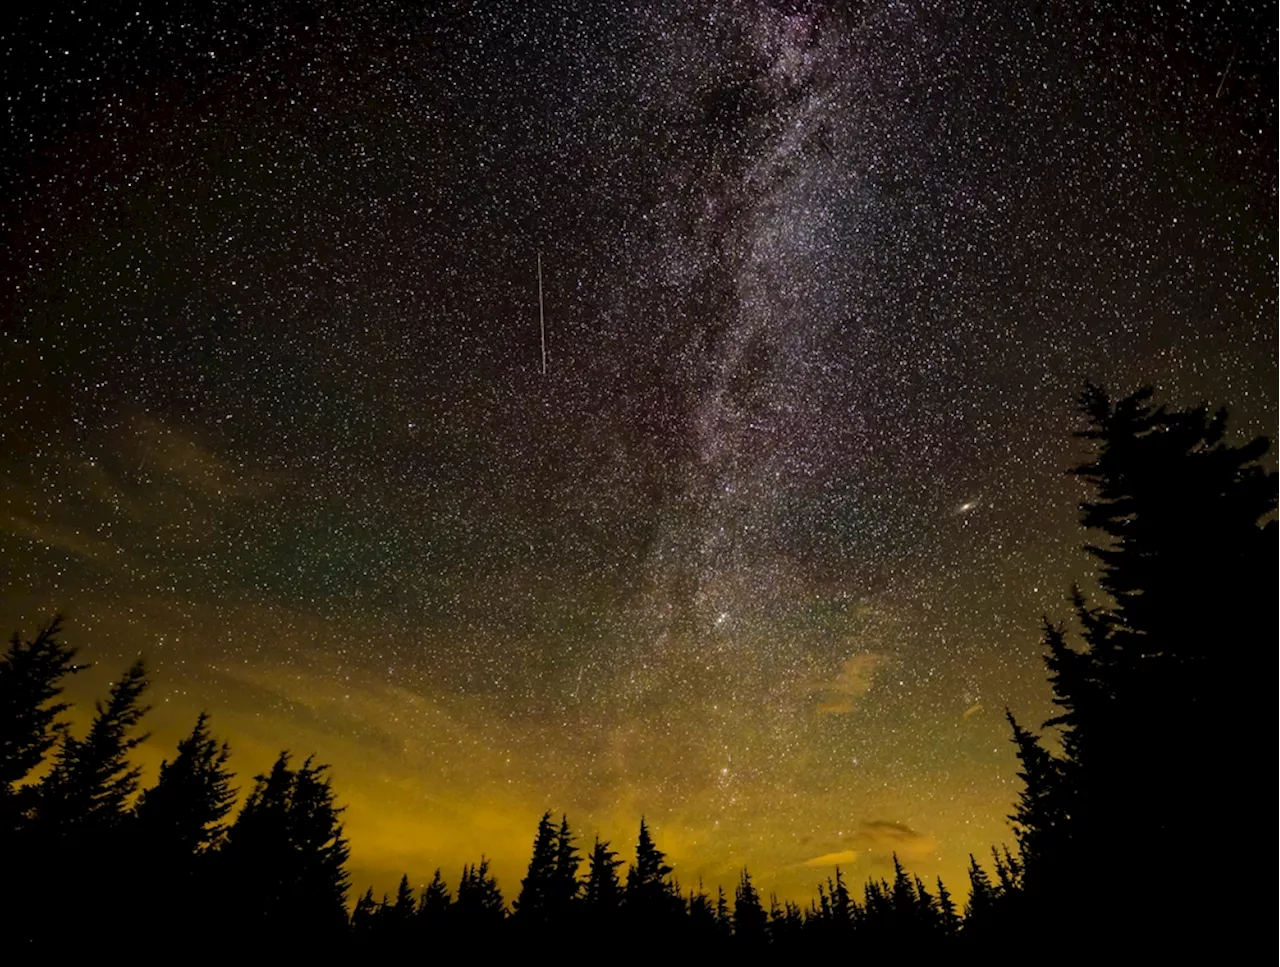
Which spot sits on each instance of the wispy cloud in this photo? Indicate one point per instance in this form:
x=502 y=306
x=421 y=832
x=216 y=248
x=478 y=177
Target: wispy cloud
x=882 y=838
x=855 y=678
x=845 y=857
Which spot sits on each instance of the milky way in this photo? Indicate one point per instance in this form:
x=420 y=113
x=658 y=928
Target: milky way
x=763 y=555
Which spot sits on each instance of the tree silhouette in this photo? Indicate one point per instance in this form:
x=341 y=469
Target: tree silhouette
x=31 y=677
x=724 y=919
x=533 y=904
x=648 y=887
x=603 y=890
x=1186 y=551
x=842 y=907
x=77 y=821
x=750 y=922
x=982 y=896
x=285 y=856
x=948 y=919
x=364 y=917
x=92 y=779
x=177 y=823
x=433 y=906
x=183 y=813
x=479 y=907
x=564 y=885
x=31 y=674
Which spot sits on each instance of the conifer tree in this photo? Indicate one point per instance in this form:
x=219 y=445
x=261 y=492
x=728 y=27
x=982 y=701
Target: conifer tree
x=479 y=906
x=92 y=779
x=182 y=814
x=982 y=896
x=31 y=676
x=750 y=922
x=534 y=900
x=404 y=905
x=648 y=888
x=824 y=901
x=1184 y=535
x=702 y=916
x=564 y=885
x=877 y=901
x=841 y=904
x=1040 y=816
x=433 y=906
x=926 y=908
x=285 y=855
x=786 y=924
x=904 y=896
x=365 y=914
x=948 y=919
x=724 y=920
x=603 y=889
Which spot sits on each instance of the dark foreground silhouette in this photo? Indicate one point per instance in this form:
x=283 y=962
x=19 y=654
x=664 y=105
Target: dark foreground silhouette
x=1158 y=678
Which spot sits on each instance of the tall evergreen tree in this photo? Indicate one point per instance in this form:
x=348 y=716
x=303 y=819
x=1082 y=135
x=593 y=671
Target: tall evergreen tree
x=564 y=885
x=1185 y=542
x=285 y=855
x=841 y=904
x=92 y=780
x=1040 y=816
x=750 y=921
x=32 y=673
x=365 y=915
x=177 y=824
x=479 y=906
x=183 y=813
x=702 y=916
x=982 y=896
x=433 y=906
x=948 y=919
x=648 y=885
x=903 y=893
x=534 y=900
x=31 y=677
x=724 y=920
x=404 y=905
x=603 y=889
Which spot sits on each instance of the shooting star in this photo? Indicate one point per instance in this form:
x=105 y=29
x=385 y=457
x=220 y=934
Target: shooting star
x=542 y=324
x=1230 y=60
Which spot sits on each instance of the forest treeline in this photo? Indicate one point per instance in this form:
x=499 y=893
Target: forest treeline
x=1153 y=681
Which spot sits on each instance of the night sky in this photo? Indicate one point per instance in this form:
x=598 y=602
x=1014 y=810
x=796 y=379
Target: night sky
x=763 y=554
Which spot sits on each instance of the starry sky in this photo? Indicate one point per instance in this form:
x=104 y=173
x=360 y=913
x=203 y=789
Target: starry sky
x=762 y=554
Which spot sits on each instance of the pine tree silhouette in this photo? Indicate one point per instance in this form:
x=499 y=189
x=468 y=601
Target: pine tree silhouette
x=78 y=825
x=404 y=905
x=750 y=922
x=564 y=885
x=479 y=908
x=32 y=673
x=31 y=676
x=364 y=916
x=982 y=897
x=285 y=856
x=948 y=919
x=649 y=893
x=182 y=814
x=724 y=920
x=92 y=779
x=603 y=890
x=177 y=824
x=1187 y=570
x=533 y=904
x=433 y=906
x=842 y=906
